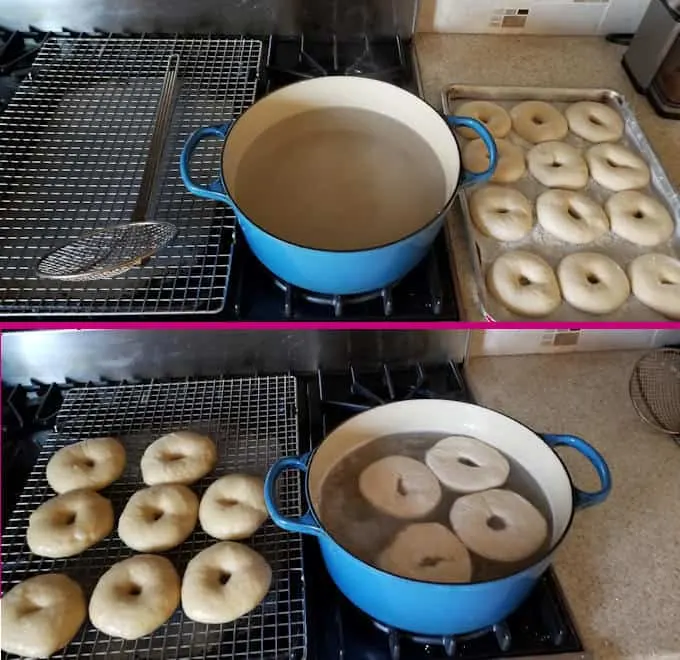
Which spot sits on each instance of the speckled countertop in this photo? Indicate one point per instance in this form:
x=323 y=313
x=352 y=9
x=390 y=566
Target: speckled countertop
x=620 y=563
x=528 y=60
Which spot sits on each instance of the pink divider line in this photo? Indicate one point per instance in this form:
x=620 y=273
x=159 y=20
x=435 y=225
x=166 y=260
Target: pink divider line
x=326 y=325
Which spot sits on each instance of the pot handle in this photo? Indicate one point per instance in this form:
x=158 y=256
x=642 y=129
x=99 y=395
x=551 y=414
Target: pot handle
x=583 y=499
x=215 y=190
x=305 y=524
x=470 y=178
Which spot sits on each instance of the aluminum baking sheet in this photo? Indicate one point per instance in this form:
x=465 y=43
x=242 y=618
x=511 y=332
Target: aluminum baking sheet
x=484 y=250
x=253 y=422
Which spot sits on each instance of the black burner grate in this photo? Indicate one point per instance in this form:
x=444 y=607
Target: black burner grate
x=448 y=644
x=424 y=294
x=291 y=59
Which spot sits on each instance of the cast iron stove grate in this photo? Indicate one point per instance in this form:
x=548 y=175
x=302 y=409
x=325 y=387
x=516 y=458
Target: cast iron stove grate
x=290 y=59
x=425 y=293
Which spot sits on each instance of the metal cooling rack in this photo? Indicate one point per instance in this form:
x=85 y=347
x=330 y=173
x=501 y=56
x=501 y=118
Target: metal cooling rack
x=254 y=422
x=73 y=143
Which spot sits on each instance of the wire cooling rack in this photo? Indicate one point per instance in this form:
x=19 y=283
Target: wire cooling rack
x=73 y=143
x=253 y=422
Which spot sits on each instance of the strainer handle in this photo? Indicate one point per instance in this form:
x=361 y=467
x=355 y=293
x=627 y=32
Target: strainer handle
x=215 y=190
x=583 y=499
x=304 y=524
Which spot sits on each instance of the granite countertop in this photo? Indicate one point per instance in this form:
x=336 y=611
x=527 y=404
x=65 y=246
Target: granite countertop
x=620 y=563
x=538 y=61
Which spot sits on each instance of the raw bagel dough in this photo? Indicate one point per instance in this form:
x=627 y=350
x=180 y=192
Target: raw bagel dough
x=558 y=165
x=639 y=218
x=41 y=615
x=135 y=596
x=499 y=525
x=466 y=465
x=180 y=458
x=538 y=121
x=510 y=166
x=68 y=524
x=158 y=518
x=495 y=118
x=595 y=122
x=593 y=282
x=617 y=168
x=92 y=464
x=571 y=216
x=655 y=280
x=400 y=486
x=525 y=283
x=224 y=582
x=428 y=552
x=233 y=507
x=502 y=213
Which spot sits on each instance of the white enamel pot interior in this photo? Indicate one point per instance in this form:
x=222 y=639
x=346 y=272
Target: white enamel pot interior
x=333 y=92
x=453 y=418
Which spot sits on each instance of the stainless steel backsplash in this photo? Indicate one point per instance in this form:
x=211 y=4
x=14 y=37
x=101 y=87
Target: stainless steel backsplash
x=285 y=17
x=53 y=356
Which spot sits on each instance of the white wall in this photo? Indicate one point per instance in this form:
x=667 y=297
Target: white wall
x=566 y=17
x=512 y=342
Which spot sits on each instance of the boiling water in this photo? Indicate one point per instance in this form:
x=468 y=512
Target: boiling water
x=365 y=532
x=340 y=179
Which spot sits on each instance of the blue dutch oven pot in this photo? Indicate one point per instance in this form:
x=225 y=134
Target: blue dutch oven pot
x=431 y=608
x=326 y=270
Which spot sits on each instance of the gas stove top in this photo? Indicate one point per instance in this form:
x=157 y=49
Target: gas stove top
x=253 y=293
x=542 y=626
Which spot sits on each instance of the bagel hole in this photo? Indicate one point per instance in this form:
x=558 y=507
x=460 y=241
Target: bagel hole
x=592 y=278
x=595 y=120
x=524 y=281
x=134 y=590
x=174 y=456
x=156 y=514
x=503 y=210
x=29 y=608
x=428 y=562
x=611 y=163
x=556 y=163
x=401 y=488
x=70 y=518
x=538 y=121
x=226 y=502
x=665 y=280
x=574 y=213
x=224 y=578
x=638 y=215
x=496 y=523
x=467 y=461
x=89 y=463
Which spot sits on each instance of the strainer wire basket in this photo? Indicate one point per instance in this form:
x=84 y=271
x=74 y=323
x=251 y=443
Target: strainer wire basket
x=654 y=388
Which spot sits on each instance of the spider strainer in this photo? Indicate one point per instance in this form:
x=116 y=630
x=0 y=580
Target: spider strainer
x=654 y=388
x=114 y=250
x=106 y=252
